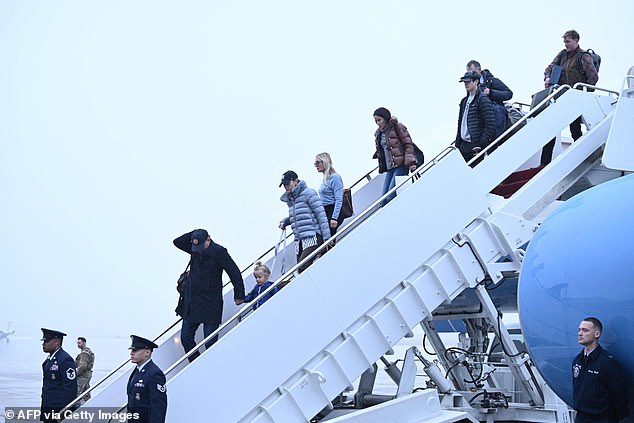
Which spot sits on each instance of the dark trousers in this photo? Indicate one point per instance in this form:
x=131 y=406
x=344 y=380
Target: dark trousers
x=303 y=253
x=330 y=208
x=188 y=332
x=547 y=151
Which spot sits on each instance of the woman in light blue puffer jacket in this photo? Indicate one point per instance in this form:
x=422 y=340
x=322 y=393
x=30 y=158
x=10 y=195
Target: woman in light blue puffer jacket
x=306 y=215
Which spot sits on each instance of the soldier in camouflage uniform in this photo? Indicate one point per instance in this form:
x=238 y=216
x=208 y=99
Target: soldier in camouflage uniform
x=84 y=363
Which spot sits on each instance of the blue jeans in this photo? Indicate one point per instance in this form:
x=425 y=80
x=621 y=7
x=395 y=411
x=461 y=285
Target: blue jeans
x=188 y=331
x=390 y=181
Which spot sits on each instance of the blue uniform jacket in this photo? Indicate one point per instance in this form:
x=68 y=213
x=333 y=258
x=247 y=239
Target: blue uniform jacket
x=147 y=394
x=59 y=386
x=598 y=386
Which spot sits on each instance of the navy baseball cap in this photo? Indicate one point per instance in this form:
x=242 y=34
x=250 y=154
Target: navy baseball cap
x=199 y=236
x=288 y=176
x=48 y=334
x=139 y=343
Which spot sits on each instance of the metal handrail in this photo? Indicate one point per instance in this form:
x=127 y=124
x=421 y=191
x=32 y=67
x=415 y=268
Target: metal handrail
x=537 y=109
x=102 y=380
x=366 y=176
x=290 y=274
x=586 y=87
x=519 y=103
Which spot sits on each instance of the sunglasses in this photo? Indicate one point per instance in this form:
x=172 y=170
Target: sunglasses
x=317 y=162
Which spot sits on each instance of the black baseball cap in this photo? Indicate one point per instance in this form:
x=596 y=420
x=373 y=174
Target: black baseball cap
x=288 y=176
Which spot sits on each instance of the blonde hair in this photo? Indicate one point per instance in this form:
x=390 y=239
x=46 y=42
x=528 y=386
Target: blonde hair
x=327 y=162
x=261 y=267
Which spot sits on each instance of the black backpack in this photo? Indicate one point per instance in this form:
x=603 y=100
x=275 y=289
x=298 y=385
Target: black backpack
x=420 y=157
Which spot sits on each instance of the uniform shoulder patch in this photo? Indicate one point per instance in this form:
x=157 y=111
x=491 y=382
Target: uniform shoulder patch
x=71 y=374
x=160 y=387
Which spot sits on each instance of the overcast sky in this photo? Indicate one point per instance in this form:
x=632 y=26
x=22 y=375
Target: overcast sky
x=124 y=124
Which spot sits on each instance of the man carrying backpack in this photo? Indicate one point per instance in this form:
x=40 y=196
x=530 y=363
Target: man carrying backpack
x=496 y=90
x=573 y=68
x=576 y=65
x=476 y=119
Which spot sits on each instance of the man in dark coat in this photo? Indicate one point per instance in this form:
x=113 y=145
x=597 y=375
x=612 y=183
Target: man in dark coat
x=599 y=393
x=476 y=120
x=59 y=386
x=492 y=87
x=147 y=392
x=202 y=300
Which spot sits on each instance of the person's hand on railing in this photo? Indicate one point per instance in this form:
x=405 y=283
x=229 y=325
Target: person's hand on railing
x=237 y=301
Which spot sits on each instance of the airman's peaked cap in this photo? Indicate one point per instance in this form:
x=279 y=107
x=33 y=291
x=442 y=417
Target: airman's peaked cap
x=48 y=334
x=139 y=343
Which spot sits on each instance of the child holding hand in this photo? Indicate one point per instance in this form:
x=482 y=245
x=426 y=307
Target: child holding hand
x=261 y=273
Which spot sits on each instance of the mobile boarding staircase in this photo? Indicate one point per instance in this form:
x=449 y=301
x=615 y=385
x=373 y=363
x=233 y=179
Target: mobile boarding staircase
x=391 y=269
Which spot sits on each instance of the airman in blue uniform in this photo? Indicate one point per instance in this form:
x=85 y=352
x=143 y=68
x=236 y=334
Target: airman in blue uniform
x=598 y=385
x=147 y=392
x=59 y=386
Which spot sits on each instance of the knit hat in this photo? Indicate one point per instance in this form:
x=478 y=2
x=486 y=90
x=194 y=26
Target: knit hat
x=383 y=112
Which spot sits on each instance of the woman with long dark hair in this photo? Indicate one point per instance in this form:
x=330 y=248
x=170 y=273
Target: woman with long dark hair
x=394 y=149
